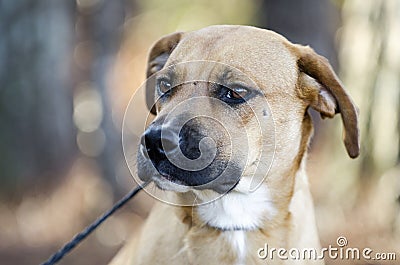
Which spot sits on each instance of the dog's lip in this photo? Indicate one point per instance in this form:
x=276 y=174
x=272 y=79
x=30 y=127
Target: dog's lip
x=165 y=175
x=168 y=177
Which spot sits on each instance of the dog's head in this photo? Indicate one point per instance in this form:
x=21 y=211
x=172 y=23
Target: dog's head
x=231 y=104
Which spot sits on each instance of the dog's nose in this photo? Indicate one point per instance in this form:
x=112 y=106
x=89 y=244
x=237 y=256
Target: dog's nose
x=158 y=143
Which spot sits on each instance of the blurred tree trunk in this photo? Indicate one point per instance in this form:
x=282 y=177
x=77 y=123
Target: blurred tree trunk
x=41 y=83
x=36 y=129
x=308 y=22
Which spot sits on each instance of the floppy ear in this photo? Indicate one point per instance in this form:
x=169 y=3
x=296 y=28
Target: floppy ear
x=322 y=89
x=158 y=56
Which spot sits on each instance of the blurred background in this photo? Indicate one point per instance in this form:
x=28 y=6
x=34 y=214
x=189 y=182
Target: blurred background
x=68 y=69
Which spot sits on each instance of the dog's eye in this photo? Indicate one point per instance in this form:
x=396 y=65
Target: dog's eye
x=234 y=95
x=164 y=86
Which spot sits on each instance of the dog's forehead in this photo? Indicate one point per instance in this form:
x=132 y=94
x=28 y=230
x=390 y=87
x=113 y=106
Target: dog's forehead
x=261 y=54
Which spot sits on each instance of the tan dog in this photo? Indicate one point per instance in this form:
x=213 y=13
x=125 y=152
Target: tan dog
x=233 y=229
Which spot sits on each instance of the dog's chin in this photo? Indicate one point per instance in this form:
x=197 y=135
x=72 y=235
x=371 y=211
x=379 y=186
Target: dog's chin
x=203 y=195
x=146 y=172
x=170 y=185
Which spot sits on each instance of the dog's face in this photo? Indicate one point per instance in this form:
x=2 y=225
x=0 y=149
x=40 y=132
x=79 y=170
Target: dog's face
x=231 y=104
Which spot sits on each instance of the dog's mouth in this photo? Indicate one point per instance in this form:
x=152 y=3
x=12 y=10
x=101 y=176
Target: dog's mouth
x=167 y=182
x=220 y=175
x=194 y=178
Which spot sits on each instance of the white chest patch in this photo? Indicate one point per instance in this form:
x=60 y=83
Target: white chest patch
x=238 y=210
x=238 y=241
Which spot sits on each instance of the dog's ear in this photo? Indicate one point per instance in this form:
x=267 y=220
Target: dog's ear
x=320 y=87
x=158 y=56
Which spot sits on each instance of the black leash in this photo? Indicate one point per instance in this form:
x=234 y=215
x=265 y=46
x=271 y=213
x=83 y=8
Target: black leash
x=89 y=229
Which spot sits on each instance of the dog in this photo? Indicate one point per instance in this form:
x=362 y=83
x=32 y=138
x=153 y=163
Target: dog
x=261 y=86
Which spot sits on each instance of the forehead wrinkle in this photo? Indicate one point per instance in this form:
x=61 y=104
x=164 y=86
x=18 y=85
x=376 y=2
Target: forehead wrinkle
x=169 y=70
x=227 y=75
